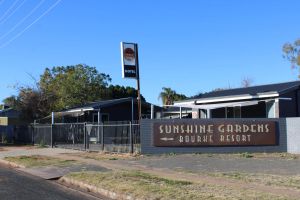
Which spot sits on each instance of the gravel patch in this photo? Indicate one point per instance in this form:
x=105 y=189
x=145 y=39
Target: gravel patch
x=25 y=151
x=215 y=163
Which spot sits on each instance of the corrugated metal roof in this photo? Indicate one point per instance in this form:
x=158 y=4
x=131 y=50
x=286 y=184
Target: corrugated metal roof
x=278 y=87
x=103 y=103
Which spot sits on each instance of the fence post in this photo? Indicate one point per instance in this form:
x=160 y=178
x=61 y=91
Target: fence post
x=84 y=135
x=51 y=136
x=87 y=137
x=98 y=129
x=130 y=138
x=52 y=123
x=33 y=131
x=102 y=136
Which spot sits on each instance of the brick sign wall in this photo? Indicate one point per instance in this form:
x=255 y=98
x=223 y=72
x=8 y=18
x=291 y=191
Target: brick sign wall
x=216 y=135
x=210 y=133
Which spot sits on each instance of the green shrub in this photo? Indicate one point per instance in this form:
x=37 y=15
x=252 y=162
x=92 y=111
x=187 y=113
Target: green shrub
x=42 y=144
x=246 y=155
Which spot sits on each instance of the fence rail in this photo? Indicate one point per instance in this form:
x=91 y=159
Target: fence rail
x=111 y=137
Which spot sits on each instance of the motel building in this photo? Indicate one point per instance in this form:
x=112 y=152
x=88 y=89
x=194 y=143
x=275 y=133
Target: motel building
x=279 y=100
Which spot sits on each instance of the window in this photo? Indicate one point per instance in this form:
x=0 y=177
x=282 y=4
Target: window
x=95 y=117
x=218 y=113
x=104 y=117
x=237 y=112
x=228 y=112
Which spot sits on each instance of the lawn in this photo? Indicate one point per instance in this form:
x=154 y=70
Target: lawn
x=140 y=185
x=107 y=156
x=292 y=182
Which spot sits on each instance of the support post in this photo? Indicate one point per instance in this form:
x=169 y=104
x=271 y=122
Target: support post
x=138 y=85
x=52 y=117
x=208 y=114
x=152 y=111
x=180 y=110
x=132 y=109
x=52 y=123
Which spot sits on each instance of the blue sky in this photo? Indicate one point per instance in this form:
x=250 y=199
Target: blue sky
x=191 y=46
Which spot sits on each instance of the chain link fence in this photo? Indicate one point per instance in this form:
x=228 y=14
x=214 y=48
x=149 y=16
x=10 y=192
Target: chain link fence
x=16 y=134
x=122 y=136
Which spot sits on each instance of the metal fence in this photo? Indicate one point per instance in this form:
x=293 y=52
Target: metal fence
x=42 y=134
x=109 y=136
x=16 y=134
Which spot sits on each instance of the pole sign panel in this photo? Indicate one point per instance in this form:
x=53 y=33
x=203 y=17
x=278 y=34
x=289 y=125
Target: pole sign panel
x=214 y=133
x=129 y=60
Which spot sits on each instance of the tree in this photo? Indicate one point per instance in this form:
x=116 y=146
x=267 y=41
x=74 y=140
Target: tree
x=117 y=91
x=30 y=102
x=219 y=89
x=168 y=96
x=73 y=85
x=64 y=87
x=292 y=53
x=11 y=101
x=246 y=82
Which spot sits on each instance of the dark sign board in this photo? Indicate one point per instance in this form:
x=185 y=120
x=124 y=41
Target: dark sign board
x=129 y=71
x=210 y=133
x=129 y=60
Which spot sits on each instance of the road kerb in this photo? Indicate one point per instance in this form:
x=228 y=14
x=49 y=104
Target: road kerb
x=11 y=164
x=94 y=189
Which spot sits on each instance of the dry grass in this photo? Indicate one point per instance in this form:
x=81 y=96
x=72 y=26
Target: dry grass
x=127 y=156
x=107 y=156
x=292 y=182
x=141 y=185
x=39 y=161
x=284 y=156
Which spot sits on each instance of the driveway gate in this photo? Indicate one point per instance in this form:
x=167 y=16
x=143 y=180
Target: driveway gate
x=110 y=136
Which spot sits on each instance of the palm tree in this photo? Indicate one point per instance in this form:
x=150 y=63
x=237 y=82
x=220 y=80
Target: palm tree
x=167 y=96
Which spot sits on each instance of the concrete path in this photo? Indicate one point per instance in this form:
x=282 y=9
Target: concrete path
x=52 y=172
x=48 y=172
x=30 y=150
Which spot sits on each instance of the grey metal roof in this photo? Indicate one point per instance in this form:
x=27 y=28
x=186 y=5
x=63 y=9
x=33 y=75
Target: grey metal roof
x=9 y=112
x=280 y=88
x=106 y=103
x=103 y=103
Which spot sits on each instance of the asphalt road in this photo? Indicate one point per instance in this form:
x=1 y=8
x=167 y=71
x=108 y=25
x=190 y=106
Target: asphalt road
x=15 y=185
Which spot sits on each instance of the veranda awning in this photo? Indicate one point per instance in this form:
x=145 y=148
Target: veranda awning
x=218 y=105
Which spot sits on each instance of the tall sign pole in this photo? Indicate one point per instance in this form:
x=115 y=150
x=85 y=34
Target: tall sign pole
x=130 y=68
x=139 y=102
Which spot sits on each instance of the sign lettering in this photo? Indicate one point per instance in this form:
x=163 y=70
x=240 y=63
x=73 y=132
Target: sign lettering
x=209 y=133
